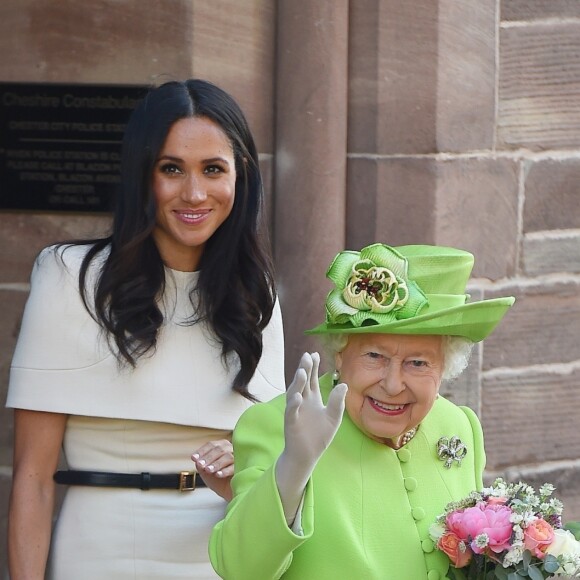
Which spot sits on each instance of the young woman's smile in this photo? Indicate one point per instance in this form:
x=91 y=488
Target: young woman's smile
x=194 y=182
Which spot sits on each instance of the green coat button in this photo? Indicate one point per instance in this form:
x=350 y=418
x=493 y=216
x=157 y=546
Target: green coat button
x=418 y=513
x=427 y=546
x=404 y=455
x=433 y=575
x=410 y=483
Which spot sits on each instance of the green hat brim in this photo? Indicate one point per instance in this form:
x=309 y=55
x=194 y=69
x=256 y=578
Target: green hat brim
x=474 y=321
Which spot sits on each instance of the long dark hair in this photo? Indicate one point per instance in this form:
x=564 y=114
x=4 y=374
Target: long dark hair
x=235 y=289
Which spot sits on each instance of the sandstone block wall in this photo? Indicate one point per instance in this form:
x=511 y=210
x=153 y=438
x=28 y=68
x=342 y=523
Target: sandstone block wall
x=463 y=130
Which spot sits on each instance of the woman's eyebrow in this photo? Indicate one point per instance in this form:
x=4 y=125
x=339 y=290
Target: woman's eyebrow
x=169 y=158
x=179 y=159
x=214 y=159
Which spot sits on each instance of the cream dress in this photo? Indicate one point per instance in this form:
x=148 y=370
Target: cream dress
x=148 y=419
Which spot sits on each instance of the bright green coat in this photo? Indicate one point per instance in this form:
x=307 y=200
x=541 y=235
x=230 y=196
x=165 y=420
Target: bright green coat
x=367 y=508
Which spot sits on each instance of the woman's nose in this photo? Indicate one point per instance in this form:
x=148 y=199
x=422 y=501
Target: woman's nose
x=393 y=382
x=194 y=190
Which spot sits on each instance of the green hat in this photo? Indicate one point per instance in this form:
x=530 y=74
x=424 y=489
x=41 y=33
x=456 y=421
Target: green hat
x=407 y=290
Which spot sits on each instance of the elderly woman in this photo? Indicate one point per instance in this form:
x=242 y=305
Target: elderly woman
x=319 y=494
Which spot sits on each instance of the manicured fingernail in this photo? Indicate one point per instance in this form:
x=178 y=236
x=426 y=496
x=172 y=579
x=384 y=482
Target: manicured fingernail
x=219 y=473
x=195 y=455
x=202 y=462
x=210 y=467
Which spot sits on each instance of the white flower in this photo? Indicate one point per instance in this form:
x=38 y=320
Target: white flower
x=436 y=531
x=498 y=489
x=564 y=544
x=481 y=540
x=528 y=518
x=568 y=568
x=513 y=556
x=567 y=549
x=547 y=489
x=569 y=565
x=557 y=506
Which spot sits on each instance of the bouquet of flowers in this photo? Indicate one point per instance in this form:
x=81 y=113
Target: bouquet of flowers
x=507 y=532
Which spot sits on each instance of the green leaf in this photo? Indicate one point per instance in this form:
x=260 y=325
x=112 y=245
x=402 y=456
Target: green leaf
x=513 y=576
x=573 y=527
x=456 y=574
x=526 y=559
x=551 y=564
x=534 y=573
x=500 y=573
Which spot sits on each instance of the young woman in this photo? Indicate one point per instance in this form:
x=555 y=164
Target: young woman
x=141 y=347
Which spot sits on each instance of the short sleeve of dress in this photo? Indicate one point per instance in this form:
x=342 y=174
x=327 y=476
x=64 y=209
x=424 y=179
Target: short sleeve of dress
x=57 y=332
x=63 y=362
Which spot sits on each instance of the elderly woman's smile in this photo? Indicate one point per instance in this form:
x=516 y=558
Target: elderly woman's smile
x=393 y=381
x=386 y=408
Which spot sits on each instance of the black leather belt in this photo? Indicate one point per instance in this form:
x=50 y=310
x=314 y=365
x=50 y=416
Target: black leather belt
x=183 y=481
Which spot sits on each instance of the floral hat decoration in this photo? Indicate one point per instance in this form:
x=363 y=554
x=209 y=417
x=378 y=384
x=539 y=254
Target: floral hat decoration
x=407 y=290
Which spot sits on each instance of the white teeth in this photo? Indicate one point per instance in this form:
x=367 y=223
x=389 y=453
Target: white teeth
x=191 y=216
x=388 y=407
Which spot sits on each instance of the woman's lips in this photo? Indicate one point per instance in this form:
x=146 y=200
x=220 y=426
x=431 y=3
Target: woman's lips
x=386 y=409
x=192 y=217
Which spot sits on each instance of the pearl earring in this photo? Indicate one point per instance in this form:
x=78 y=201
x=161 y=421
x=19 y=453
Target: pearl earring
x=335 y=378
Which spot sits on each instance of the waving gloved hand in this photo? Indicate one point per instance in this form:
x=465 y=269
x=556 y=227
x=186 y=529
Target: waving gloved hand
x=309 y=428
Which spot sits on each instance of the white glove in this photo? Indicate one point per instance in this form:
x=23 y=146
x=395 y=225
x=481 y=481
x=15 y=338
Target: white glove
x=309 y=428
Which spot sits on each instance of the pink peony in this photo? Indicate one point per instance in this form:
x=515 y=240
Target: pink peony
x=466 y=524
x=538 y=536
x=493 y=520
x=496 y=500
x=457 y=550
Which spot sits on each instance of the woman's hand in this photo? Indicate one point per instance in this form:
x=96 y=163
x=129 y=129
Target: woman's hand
x=215 y=464
x=309 y=428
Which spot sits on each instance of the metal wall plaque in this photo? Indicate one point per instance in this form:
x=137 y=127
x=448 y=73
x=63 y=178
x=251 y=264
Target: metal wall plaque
x=60 y=145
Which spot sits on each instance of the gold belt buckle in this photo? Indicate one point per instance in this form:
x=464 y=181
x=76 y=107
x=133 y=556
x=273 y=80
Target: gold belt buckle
x=183 y=480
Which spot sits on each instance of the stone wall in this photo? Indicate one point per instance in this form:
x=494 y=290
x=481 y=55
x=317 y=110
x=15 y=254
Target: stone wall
x=464 y=130
x=432 y=121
